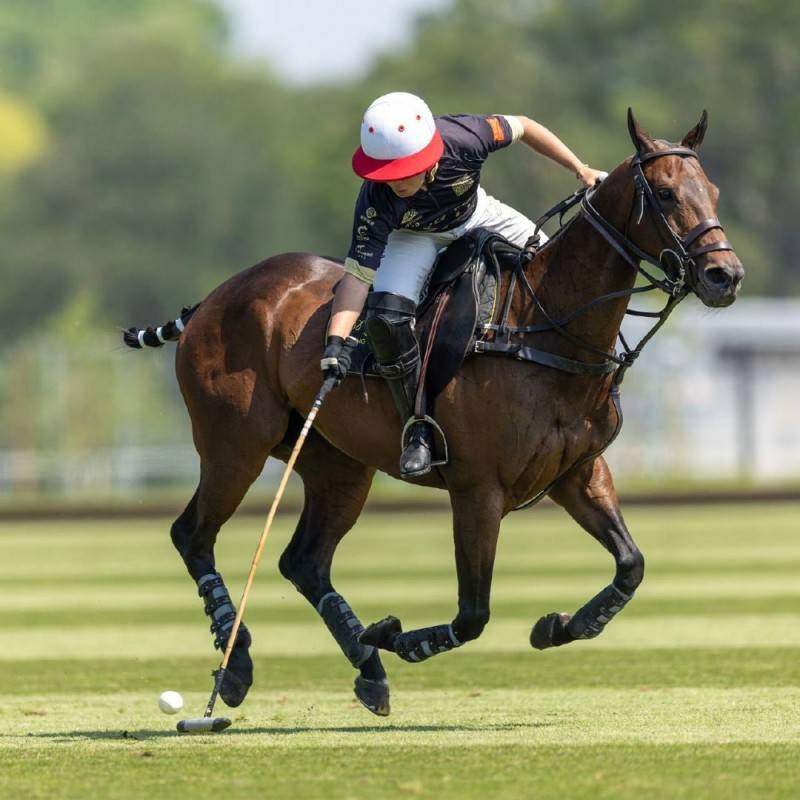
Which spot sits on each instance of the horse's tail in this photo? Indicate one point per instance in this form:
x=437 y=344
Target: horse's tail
x=156 y=337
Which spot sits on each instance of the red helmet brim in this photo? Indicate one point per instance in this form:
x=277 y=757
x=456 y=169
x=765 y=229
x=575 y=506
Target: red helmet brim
x=398 y=169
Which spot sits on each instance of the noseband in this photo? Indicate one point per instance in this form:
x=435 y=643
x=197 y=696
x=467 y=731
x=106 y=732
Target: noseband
x=678 y=256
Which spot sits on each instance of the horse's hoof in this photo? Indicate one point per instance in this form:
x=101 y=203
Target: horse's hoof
x=373 y=695
x=551 y=631
x=239 y=673
x=382 y=634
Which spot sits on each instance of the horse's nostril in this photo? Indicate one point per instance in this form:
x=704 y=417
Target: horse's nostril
x=718 y=277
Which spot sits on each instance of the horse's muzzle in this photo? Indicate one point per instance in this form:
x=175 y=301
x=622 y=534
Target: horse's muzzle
x=719 y=284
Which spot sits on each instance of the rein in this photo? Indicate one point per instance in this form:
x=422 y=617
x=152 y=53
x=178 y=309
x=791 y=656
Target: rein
x=675 y=260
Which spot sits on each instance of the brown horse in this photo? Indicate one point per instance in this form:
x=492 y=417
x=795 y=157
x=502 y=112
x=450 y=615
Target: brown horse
x=248 y=368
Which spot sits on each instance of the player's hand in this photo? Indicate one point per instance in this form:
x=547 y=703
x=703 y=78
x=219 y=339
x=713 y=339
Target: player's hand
x=337 y=357
x=590 y=177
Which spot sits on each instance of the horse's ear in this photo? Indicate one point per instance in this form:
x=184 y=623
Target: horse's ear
x=695 y=137
x=640 y=138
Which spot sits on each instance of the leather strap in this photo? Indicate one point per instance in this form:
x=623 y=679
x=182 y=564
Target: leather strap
x=545 y=359
x=701 y=228
x=685 y=152
x=711 y=248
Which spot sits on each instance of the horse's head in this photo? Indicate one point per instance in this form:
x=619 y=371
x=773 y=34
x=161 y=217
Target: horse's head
x=674 y=217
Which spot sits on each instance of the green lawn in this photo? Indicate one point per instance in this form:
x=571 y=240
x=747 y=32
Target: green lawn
x=693 y=692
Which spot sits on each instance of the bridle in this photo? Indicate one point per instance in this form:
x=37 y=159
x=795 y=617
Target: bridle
x=677 y=257
x=675 y=260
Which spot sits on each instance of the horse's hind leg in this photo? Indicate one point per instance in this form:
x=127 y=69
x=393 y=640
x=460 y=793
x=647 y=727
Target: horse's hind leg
x=590 y=498
x=336 y=488
x=230 y=460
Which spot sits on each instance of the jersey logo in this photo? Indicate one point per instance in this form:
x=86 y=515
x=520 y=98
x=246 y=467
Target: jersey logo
x=462 y=185
x=497 y=129
x=409 y=217
x=371 y=213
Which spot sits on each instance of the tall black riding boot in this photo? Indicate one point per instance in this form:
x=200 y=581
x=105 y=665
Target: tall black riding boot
x=390 y=330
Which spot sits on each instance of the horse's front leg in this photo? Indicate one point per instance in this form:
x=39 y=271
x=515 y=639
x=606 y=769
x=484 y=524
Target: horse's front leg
x=476 y=524
x=336 y=488
x=591 y=500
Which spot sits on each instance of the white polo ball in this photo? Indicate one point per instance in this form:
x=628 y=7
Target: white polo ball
x=170 y=702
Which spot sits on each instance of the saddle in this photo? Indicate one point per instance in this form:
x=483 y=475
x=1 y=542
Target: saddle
x=456 y=310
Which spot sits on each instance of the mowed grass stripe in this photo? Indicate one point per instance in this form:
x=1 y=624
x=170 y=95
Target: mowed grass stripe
x=534 y=717
x=264 y=614
x=604 y=771
x=556 y=669
x=273 y=591
x=164 y=573
x=546 y=539
x=504 y=635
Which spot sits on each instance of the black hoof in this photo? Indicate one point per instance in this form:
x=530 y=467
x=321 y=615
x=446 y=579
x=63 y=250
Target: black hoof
x=239 y=674
x=551 y=631
x=382 y=634
x=373 y=695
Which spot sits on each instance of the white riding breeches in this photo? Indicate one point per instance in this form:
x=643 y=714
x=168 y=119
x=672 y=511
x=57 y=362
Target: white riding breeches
x=409 y=255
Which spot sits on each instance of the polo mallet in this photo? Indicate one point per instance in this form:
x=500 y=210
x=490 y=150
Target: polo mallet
x=207 y=723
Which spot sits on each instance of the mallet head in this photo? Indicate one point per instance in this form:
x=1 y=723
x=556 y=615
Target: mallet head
x=203 y=725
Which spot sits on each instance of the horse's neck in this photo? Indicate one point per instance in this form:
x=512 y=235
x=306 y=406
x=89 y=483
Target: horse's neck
x=578 y=267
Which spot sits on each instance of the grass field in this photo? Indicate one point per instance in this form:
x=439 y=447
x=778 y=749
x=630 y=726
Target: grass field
x=693 y=692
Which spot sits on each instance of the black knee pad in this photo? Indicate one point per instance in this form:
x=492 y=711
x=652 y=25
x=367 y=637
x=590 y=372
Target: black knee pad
x=390 y=330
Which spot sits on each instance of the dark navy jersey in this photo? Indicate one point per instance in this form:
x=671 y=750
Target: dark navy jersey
x=442 y=205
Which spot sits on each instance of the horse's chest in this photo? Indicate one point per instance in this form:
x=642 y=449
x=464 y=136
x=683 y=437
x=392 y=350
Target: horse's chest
x=554 y=446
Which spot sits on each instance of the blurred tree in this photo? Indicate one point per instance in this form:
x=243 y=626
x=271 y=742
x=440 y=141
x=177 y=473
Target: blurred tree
x=40 y=39
x=166 y=174
x=22 y=135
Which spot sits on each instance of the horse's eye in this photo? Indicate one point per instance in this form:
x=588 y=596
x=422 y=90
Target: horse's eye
x=666 y=195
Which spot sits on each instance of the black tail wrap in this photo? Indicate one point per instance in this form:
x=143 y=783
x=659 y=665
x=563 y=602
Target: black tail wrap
x=157 y=337
x=219 y=607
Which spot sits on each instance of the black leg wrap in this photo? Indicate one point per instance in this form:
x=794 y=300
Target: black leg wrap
x=218 y=606
x=421 y=644
x=590 y=620
x=344 y=627
x=238 y=677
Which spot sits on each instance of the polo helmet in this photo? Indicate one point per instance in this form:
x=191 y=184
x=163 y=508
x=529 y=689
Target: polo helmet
x=398 y=139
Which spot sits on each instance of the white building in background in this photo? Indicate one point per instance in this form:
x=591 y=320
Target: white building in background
x=715 y=394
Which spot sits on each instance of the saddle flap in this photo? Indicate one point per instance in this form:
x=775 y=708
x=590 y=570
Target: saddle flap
x=469 y=272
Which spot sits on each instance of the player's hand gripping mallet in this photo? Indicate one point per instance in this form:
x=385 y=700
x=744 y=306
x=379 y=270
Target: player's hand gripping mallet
x=207 y=723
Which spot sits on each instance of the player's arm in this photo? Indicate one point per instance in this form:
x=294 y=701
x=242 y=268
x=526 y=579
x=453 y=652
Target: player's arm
x=351 y=294
x=544 y=141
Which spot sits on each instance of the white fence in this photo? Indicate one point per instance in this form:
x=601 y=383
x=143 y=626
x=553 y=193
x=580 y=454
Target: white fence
x=716 y=395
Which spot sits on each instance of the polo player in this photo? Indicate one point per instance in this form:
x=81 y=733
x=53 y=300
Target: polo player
x=421 y=191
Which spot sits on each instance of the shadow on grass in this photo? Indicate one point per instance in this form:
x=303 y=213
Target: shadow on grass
x=143 y=735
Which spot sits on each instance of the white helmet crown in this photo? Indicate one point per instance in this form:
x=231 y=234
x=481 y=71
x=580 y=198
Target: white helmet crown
x=398 y=138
